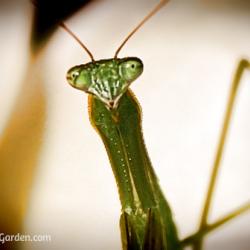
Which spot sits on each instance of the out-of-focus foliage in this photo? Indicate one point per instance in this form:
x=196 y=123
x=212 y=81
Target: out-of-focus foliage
x=48 y=14
x=19 y=151
x=21 y=140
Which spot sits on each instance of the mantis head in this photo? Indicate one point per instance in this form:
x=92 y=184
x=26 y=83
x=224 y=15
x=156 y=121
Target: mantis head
x=106 y=79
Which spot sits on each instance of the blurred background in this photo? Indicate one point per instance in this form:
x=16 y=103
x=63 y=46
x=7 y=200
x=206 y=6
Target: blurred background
x=55 y=177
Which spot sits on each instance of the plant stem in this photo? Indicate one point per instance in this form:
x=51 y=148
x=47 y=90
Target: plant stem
x=210 y=227
x=220 y=149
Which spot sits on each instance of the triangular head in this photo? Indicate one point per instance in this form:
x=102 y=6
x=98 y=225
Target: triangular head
x=106 y=79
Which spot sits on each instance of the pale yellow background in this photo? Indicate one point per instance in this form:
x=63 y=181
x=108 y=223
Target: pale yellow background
x=190 y=50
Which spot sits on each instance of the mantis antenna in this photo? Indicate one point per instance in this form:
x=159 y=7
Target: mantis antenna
x=145 y=19
x=78 y=40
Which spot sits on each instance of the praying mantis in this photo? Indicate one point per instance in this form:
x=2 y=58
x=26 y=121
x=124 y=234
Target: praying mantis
x=146 y=220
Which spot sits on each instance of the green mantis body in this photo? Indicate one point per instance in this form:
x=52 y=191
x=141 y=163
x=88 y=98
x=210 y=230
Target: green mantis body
x=116 y=115
x=142 y=200
x=146 y=221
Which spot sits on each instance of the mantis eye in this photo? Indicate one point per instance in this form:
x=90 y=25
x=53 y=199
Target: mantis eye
x=74 y=74
x=131 y=69
x=79 y=78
